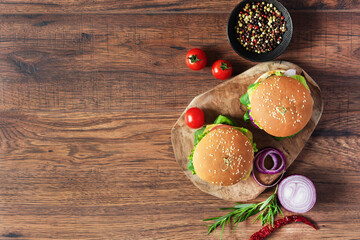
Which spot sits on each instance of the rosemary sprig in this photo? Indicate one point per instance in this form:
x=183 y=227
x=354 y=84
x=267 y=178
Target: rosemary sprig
x=268 y=210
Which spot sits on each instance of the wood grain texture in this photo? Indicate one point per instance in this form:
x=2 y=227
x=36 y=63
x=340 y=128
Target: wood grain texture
x=89 y=91
x=154 y=6
x=224 y=99
x=102 y=176
x=41 y=63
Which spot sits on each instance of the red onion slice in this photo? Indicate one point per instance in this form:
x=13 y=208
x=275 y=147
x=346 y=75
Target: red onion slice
x=279 y=164
x=267 y=186
x=252 y=120
x=275 y=154
x=290 y=72
x=297 y=194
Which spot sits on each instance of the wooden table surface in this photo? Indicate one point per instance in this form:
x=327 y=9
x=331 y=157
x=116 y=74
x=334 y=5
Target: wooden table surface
x=89 y=91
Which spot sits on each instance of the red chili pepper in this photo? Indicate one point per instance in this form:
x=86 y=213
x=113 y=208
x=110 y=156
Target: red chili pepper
x=265 y=231
x=282 y=17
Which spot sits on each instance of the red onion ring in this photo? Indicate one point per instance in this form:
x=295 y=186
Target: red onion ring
x=267 y=186
x=252 y=120
x=278 y=166
x=259 y=161
x=297 y=194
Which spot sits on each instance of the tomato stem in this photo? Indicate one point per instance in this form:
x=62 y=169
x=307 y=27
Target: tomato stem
x=224 y=66
x=193 y=59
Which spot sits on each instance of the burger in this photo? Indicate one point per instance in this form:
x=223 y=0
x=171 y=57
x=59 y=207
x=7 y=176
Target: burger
x=223 y=153
x=279 y=102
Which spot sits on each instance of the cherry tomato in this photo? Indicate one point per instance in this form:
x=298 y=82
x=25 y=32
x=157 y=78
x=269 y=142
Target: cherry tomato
x=196 y=59
x=222 y=69
x=194 y=117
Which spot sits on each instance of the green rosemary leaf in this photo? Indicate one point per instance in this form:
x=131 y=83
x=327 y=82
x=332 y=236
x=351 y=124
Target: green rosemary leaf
x=266 y=202
x=267 y=210
x=222 y=231
x=281 y=212
x=244 y=205
x=209 y=219
x=270 y=218
x=228 y=208
x=237 y=224
x=211 y=228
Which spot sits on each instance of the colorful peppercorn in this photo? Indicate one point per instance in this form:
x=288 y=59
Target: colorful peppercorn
x=260 y=27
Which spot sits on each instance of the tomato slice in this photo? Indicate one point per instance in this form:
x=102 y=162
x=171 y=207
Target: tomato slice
x=220 y=126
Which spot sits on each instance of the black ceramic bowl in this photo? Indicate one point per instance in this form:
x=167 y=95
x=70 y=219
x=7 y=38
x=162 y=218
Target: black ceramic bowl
x=256 y=57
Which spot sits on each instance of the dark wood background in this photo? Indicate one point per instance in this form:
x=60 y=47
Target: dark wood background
x=89 y=91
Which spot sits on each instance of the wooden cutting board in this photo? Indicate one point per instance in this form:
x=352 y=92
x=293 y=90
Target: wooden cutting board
x=224 y=99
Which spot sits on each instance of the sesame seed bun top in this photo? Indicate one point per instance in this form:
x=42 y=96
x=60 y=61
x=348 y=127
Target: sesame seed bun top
x=223 y=157
x=281 y=105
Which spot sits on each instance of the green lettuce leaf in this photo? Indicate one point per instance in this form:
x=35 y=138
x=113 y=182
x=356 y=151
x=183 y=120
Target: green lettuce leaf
x=282 y=138
x=190 y=163
x=225 y=120
x=241 y=129
x=252 y=85
x=199 y=134
x=254 y=147
x=301 y=79
x=279 y=73
x=246 y=116
x=244 y=99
